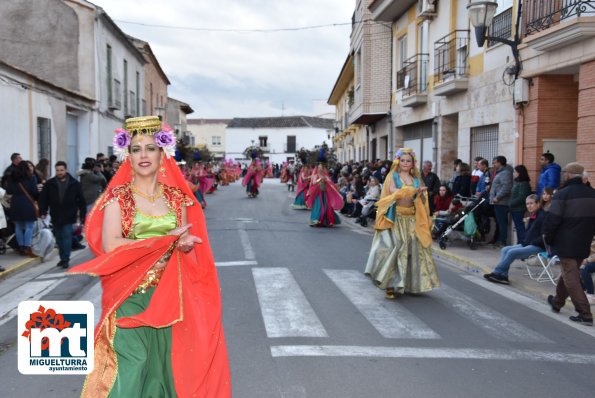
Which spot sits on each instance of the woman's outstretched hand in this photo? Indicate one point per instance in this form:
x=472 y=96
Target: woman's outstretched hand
x=186 y=241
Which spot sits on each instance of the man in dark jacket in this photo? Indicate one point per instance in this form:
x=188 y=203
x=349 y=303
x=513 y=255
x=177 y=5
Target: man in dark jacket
x=550 y=173
x=432 y=181
x=532 y=244
x=64 y=197
x=569 y=228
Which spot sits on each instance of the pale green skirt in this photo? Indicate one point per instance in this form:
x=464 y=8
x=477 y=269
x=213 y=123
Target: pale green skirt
x=397 y=260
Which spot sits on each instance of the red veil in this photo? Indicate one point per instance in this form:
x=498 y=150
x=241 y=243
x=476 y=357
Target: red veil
x=187 y=297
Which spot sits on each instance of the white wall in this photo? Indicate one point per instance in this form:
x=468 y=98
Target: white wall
x=238 y=139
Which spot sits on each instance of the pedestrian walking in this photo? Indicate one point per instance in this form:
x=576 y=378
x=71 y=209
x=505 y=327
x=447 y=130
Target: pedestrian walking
x=62 y=197
x=22 y=185
x=92 y=180
x=569 y=228
x=432 y=182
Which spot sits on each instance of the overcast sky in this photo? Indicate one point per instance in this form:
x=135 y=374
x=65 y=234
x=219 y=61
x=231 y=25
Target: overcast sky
x=243 y=74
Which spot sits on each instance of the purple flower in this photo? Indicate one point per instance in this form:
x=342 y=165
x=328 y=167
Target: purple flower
x=164 y=138
x=121 y=138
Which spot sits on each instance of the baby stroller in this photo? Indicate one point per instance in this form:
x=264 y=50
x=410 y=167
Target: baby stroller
x=460 y=225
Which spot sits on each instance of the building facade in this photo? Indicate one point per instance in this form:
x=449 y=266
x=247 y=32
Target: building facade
x=452 y=99
x=74 y=46
x=279 y=137
x=210 y=133
x=176 y=116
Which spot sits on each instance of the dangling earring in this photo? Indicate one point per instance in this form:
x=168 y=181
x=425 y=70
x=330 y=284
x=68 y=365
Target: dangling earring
x=162 y=169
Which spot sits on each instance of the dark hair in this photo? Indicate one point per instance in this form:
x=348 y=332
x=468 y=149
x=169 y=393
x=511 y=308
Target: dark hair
x=501 y=159
x=21 y=172
x=457 y=161
x=99 y=156
x=548 y=190
x=523 y=173
x=548 y=156
x=484 y=162
x=464 y=168
x=61 y=163
x=448 y=193
x=89 y=164
x=478 y=158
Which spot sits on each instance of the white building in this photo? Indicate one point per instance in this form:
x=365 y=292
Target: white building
x=279 y=137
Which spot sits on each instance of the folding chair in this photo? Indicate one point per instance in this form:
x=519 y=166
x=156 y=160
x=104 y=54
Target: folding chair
x=547 y=261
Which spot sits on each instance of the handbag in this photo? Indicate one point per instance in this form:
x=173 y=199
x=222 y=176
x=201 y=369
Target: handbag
x=34 y=203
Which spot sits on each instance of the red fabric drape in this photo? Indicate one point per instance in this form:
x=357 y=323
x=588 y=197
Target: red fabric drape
x=187 y=297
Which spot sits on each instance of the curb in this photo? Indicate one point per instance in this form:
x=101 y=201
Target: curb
x=20 y=265
x=459 y=262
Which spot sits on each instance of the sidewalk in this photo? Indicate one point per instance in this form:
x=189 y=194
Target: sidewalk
x=12 y=262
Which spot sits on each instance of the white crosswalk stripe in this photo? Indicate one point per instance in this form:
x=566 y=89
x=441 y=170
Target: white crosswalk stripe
x=494 y=323
x=389 y=318
x=33 y=290
x=285 y=309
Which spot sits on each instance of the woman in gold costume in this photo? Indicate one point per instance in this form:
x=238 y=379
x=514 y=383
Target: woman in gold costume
x=400 y=259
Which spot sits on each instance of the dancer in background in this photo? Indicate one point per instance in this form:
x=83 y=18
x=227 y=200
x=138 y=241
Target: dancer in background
x=303 y=184
x=253 y=178
x=400 y=259
x=323 y=197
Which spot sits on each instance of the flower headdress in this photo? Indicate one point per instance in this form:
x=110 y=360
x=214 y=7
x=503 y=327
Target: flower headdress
x=147 y=125
x=406 y=151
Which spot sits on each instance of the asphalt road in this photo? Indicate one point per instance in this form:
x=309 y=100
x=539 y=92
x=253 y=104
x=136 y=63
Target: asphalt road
x=301 y=320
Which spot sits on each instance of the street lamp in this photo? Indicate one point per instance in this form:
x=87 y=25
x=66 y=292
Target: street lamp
x=481 y=13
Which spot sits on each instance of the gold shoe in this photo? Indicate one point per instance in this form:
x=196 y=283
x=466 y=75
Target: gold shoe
x=390 y=293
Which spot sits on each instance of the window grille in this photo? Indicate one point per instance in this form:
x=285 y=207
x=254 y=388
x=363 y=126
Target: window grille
x=484 y=142
x=501 y=26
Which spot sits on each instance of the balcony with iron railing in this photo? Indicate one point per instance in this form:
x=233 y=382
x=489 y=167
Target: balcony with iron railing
x=451 y=66
x=552 y=24
x=501 y=27
x=412 y=80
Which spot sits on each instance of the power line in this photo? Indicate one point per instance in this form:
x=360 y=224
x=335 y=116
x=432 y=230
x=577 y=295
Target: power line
x=229 y=30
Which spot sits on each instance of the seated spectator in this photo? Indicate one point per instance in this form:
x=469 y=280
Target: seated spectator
x=365 y=205
x=462 y=183
x=587 y=269
x=546 y=198
x=443 y=199
x=532 y=244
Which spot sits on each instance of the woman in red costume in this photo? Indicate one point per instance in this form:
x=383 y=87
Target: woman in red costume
x=303 y=184
x=323 y=198
x=160 y=333
x=253 y=178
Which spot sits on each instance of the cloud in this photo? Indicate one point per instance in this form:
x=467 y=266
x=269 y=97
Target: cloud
x=229 y=74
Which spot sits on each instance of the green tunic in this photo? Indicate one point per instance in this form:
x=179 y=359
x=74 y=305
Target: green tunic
x=144 y=353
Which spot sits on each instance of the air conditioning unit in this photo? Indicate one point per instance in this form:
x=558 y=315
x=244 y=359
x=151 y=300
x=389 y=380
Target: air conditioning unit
x=521 y=91
x=427 y=8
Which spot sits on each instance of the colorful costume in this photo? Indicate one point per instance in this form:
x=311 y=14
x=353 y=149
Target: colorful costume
x=200 y=178
x=160 y=332
x=400 y=258
x=323 y=198
x=303 y=185
x=253 y=179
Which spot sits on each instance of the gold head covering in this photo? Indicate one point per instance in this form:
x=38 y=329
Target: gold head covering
x=148 y=125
